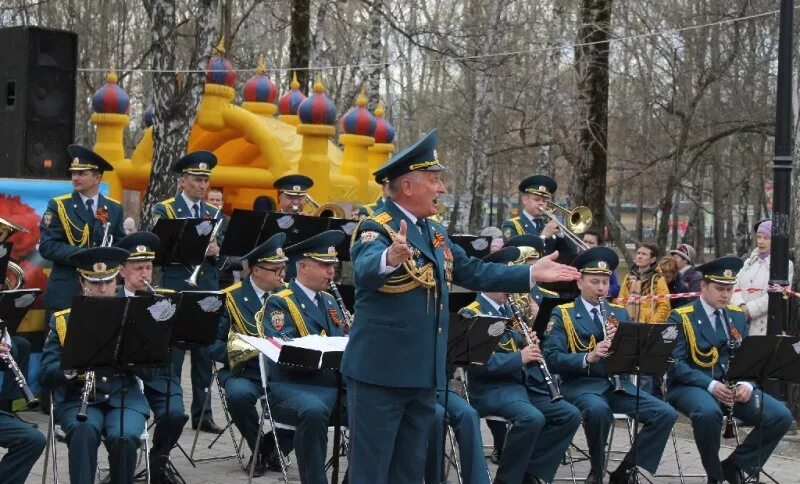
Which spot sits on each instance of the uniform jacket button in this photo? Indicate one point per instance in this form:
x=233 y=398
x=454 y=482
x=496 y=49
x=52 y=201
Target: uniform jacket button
x=104 y=379
x=107 y=396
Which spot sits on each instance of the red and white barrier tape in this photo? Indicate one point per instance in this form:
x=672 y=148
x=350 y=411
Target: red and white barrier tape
x=633 y=298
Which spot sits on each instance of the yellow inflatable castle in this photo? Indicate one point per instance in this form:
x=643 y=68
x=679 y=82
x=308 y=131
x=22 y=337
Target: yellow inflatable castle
x=257 y=142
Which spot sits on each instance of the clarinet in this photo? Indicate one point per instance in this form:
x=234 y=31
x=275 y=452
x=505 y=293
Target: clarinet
x=348 y=318
x=729 y=432
x=522 y=327
x=88 y=387
x=615 y=379
x=19 y=377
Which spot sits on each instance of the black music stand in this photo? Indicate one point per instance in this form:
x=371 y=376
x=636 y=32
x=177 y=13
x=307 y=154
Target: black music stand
x=470 y=342
x=542 y=319
x=474 y=245
x=118 y=334
x=763 y=357
x=184 y=241
x=641 y=349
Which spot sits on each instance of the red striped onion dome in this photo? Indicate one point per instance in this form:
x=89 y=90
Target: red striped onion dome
x=318 y=108
x=220 y=70
x=384 y=131
x=147 y=116
x=290 y=101
x=111 y=98
x=358 y=120
x=260 y=88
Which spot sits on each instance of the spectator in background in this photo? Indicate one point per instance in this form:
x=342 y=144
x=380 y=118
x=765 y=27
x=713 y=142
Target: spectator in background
x=668 y=267
x=592 y=238
x=644 y=280
x=129 y=225
x=497 y=244
x=755 y=275
x=684 y=255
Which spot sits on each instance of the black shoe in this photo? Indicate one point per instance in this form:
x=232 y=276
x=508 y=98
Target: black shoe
x=164 y=475
x=259 y=470
x=622 y=475
x=731 y=473
x=208 y=426
x=531 y=479
x=592 y=479
x=274 y=461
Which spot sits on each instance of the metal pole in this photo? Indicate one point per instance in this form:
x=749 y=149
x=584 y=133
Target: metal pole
x=778 y=309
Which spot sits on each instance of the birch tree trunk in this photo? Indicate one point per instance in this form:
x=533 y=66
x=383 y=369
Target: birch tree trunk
x=591 y=66
x=175 y=97
x=471 y=203
x=374 y=53
x=300 y=44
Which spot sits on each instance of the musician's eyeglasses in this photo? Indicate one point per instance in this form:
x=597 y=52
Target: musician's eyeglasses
x=278 y=272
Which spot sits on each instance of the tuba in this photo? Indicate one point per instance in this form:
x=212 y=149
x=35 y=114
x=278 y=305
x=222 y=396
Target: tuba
x=15 y=276
x=329 y=210
x=239 y=351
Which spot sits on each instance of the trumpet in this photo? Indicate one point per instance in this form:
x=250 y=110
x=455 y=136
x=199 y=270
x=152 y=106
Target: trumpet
x=348 y=317
x=605 y=321
x=522 y=326
x=88 y=387
x=19 y=377
x=108 y=238
x=578 y=221
x=192 y=280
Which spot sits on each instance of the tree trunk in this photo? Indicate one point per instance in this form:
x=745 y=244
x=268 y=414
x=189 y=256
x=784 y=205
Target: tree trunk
x=591 y=66
x=175 y=97
x=300 y=44
x=374 y=53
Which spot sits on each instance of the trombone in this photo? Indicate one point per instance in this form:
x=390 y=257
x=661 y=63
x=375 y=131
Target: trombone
x=578 y=221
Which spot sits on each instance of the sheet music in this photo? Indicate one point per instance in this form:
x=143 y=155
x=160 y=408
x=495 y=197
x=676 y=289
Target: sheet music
x=271 y=347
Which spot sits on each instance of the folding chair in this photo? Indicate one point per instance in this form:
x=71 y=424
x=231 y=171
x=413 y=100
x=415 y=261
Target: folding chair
x=56 y=434
x=239 y=452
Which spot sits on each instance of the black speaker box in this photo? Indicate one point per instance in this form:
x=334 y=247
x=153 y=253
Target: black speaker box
x=37 y=108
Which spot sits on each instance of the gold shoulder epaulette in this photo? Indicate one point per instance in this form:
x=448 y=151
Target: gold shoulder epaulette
x=618 y=306
x=567 y=305
x=233 y=287
x=112 y=200
x=327 y=293
x=284 y=293
x=735 y=308
x=514 y=218
x=685 y=309
x=63 y=312
x=63 y=197
x=548 y=291
x=382 y=218
x=473 y=306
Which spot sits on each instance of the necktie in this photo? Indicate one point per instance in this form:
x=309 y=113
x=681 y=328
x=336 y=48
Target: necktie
x=90 y=206
x=719 y=326
x=320 y=303
x=423 y=228
x=196 y=210
x=596 y=318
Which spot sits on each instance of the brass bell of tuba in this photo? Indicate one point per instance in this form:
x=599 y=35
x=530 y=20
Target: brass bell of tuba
x=15 y=276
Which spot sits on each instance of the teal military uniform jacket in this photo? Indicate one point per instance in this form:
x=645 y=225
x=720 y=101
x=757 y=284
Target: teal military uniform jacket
x=67 y=226
x=504 y=379
x=400 y=323
x=241 y=305
x=370 y=209
x=292 y=314
x=67 y=393
x=571 y=322
x=174 y=276
x=694 y=321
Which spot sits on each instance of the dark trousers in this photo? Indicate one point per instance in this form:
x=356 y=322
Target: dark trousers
x=24 y=443
x=201 y=378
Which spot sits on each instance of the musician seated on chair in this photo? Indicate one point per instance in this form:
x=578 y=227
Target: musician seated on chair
x=76 y=221
x=512 y=386
x=697 y=379
x=195 y=175
x=24 y=443
x=162 y=388
x=98 y=268
x=576 y=349
x=303 y=399
x=244 y=314
x=292 y=192
x=531 y=249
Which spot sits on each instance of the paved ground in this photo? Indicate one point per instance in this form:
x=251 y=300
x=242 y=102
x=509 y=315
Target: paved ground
x=784 y=466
